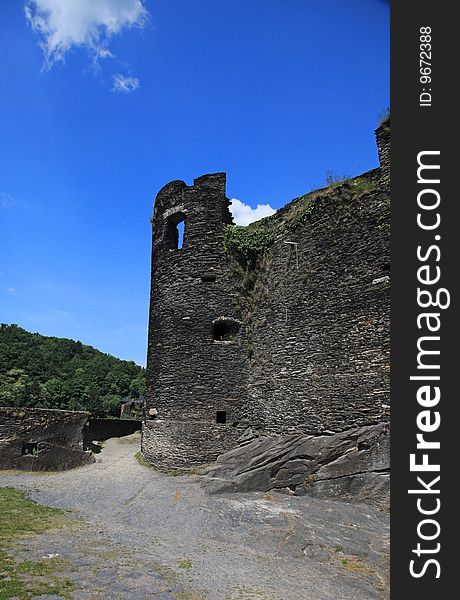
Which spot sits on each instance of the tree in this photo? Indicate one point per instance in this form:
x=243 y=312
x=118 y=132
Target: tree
x=49 y=372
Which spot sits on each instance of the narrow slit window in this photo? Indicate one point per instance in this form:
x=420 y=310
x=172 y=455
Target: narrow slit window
x=221 y=416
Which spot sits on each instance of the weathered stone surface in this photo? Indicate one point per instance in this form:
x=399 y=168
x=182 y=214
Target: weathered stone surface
x=268 y=546
x=312 y=352
x=167 y=443
x=190 y=375
x=38 y=439
x=352 y=465
x=367 y=488
x=383 y=145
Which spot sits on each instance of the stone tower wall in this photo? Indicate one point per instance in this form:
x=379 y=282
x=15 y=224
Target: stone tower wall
x=190 y=375
x=312 y=353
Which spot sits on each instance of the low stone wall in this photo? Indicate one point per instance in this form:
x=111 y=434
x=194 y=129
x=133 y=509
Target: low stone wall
x=104 y=429
x=181 y=445
x=38 y=439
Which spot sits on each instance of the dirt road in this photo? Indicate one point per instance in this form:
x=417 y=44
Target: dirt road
x=142 y=534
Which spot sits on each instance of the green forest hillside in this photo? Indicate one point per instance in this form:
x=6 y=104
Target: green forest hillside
x=50 y=372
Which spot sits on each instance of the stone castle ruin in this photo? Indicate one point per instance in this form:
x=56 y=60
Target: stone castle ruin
x=278 y=328
x=268 y=347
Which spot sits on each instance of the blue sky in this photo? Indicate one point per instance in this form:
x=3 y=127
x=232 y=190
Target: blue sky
x=104 y=102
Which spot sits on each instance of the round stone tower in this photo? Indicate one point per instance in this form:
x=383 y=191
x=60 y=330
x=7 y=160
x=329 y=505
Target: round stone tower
x=197 y=365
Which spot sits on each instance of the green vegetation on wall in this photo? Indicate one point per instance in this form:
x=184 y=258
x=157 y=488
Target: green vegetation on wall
x=49 y=372
x=250 y=243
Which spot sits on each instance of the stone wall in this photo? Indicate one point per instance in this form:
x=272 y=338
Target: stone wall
x=383 y=135
x=180 y=445
x=37 y=439
x=320 y=330
x=312 y=351
x=190 y=375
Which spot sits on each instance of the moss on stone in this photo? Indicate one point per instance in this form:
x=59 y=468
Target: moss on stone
x=309 y=479
x=250 y=242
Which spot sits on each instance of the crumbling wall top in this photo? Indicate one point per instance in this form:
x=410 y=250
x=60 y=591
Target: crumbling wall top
x=204 y=201
x=215 y=182
x=383 y=134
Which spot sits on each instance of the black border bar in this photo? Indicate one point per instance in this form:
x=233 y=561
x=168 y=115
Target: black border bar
x=424 y=128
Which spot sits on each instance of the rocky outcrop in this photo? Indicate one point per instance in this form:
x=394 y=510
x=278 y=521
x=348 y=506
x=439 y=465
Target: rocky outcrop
x=353 y=465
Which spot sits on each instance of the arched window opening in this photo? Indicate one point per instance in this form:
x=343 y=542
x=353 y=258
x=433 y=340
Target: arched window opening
x=225 y=330
x=175 y=231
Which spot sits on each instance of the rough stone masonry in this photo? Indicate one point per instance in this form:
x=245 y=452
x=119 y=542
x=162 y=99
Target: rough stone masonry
x=281 y=326
x=40 y=439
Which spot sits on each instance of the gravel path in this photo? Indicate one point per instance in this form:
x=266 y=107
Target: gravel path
x=143 y=534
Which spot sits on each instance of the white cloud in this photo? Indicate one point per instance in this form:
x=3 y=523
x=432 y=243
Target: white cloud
x=63 y=24
x=7 y=201
x=11 y=291
x=243 y=214
x=124 y=84
x=103 y=53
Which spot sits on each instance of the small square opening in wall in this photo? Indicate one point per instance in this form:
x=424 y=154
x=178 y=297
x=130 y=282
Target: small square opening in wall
x=29 y=448
x=221 y=416
x=225 y=330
